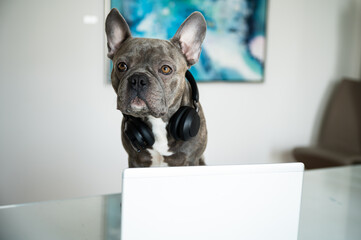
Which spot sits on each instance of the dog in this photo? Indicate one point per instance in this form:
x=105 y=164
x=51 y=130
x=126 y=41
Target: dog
x=163 y=123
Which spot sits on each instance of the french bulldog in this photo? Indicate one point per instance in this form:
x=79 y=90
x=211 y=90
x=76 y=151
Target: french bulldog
x=148 y=77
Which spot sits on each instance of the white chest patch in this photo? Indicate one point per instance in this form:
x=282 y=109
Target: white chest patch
x=160 y=146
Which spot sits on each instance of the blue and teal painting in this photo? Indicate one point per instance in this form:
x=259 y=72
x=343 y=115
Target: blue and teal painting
x=234 y=48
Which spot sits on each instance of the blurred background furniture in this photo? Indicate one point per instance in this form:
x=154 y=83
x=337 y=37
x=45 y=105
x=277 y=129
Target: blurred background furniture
x=339 y=141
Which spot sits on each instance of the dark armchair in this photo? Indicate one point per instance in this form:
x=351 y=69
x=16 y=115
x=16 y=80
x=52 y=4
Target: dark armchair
x=339 y=141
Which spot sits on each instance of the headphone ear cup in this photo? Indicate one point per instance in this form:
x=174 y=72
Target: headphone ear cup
x=184 y=124
x=189 y=124
x=145 y=131
x=174 y=122
x=134 y=136
x=139 y=134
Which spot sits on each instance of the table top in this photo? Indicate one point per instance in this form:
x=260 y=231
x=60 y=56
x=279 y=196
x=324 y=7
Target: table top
x=331 y=204
x=330 y=209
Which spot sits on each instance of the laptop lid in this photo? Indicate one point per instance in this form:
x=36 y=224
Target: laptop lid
x=212 y=202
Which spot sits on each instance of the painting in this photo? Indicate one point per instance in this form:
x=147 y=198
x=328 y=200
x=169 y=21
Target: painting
x=235 y=44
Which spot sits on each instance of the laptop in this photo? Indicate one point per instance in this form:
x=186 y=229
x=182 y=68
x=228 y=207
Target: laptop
x=212 y=202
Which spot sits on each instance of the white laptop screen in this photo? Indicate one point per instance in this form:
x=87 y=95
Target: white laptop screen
x=212 y=202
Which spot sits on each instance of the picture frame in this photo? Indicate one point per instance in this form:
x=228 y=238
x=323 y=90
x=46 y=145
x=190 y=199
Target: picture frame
x=235 y=45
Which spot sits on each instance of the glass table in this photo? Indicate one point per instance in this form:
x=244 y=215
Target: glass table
x=330 y=209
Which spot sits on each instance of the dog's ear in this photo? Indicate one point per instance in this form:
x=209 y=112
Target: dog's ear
x=190 y=35
x=117 y=31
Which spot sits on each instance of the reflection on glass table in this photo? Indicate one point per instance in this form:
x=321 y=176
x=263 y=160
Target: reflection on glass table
x=331 y=209
x=91 y=218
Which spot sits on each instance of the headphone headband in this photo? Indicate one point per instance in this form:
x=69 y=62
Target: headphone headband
x=192 y=81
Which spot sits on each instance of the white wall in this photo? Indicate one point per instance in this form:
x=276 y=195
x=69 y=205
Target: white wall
x=60 y=131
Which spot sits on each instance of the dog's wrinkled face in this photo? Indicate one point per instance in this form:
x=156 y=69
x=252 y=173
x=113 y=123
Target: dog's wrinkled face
x=148 y=74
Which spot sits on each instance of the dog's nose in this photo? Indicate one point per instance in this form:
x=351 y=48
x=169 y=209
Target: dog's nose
x=139 y=81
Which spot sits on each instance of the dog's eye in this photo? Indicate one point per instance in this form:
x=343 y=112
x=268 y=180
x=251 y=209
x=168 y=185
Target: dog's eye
x=166 y=70
x=122 y=67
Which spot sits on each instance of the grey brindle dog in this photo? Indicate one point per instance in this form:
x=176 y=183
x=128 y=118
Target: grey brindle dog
x=161 y=90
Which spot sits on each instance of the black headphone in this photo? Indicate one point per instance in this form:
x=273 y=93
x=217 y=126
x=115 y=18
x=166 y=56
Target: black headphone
x=183 y=125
